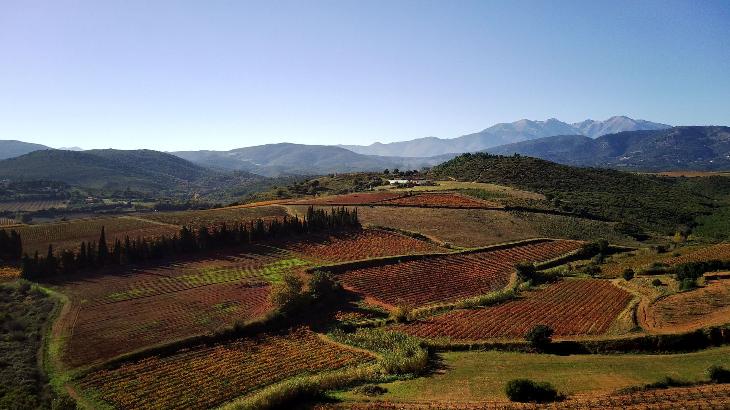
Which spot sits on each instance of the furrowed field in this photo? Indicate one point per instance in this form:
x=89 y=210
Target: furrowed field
x=355 y=245
x=215 y=217
x=116 y=314
x=350 y=199
x=571 y=307
x=70 y=234
x=207 y=376
x=448 y=277
x=31 y=206
x=440 y=200
x=694 y=309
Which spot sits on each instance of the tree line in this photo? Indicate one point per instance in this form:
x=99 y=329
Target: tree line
x=94 y=255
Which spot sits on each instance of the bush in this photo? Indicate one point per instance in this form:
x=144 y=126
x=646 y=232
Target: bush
x=656 y=282
x=401 y=314
x=628 y=274
x=688 y=284
x=287 y=295
x=323 y=286
x=526 y=271
x=539 y=336
x=718 y=374
x=528 y=391
x=371 y=390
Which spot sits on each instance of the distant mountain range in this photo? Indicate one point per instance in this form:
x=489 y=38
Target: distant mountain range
x=140 y=170
x=677 y=148
x=13 y=148
x=504 y=133
x=296 y=159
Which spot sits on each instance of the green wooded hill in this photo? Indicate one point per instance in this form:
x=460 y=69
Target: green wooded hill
x=142 y=170
x=658 y=203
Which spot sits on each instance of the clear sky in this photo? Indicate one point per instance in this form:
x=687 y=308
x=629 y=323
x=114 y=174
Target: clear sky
x=178 y=75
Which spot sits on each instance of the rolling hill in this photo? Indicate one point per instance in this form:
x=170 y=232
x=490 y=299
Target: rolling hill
x=288 y=159
x=662 y=204
x=678 y=148
x=13 y=148
x=505 y=133
x=142 y=170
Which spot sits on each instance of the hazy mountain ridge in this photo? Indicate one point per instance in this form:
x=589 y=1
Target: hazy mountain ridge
x=504 y=133
x=677 y=148
x=14 y=148
x=144 y=170
x=285 y=158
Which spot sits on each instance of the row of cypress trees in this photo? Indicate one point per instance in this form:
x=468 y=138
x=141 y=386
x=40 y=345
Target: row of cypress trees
x=94 y=255
x=11 y=247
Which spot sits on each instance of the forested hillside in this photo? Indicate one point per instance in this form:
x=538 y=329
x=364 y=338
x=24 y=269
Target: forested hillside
x=653 y=202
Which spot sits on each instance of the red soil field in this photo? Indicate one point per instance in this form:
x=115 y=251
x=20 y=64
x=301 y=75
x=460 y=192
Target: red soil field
x=441 y=200
x=356 y=245
x=104 y=331
x=350 y=199
x=570 y=307
x=448 y=277
x=118 y=313
x=207 y=376
x=695 y=309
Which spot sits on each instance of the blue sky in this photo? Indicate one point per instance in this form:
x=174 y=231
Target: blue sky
x=177 y=75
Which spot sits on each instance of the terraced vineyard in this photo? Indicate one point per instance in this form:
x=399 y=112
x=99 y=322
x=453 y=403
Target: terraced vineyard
x=448 y=277
x=350 y=199
x=720 y=251
x=215 y=217
x=120 y=313
x=70 y=234
x=207 y=376
x=32 y=206
x=7 y=221
x=570 y=307
x=440 y=200
x=368 y=243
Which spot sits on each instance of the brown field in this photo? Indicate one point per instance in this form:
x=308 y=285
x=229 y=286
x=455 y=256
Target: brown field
x=447 y=277
x=694 y=174
x=31 y=206
x=440 y=200
x=214 y=217
x=712 y=396
x=208 y=376
x=115 y=314
x=720 y=251
x=8 y=273
x=350 y=246
x=695 y=309
x=70 y=234
x=570 y=307
x=350 y=199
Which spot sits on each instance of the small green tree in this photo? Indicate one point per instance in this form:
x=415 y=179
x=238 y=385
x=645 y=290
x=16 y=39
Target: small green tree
x=528 y=391
x=402 y=313
x=287 y=295
x=718 y=374
x=628 y=274
x=323 y=286
x=526 y=271
x=540 y=336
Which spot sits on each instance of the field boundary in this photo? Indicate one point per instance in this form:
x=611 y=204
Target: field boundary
x=388 y=260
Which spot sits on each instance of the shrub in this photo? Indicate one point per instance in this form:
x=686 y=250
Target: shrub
x=539 y=336
x=688 y=284
x=323 y=286
x=528 y=391
x=287 y=295
x=656 y=282
x=718 y=374
x=371 y=390
x=401 y=314
x=628 y=274
x=526 y=271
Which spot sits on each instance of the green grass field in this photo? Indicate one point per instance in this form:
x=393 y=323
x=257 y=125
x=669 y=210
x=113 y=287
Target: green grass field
x=475 y=376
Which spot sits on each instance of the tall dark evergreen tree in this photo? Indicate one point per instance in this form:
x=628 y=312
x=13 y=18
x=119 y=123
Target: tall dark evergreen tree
x=103 y=249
